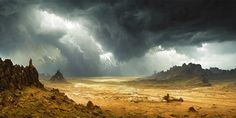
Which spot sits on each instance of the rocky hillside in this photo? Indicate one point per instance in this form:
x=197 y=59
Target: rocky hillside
x=32 y=102
x=192 y=74
x=216 y=73
x=178 y=72
x=22 y=95
x=58 y=77
x=16 y=76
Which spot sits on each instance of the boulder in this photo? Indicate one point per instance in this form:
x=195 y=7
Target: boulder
x=192 y=109
x=168 y=98
x=90 y=105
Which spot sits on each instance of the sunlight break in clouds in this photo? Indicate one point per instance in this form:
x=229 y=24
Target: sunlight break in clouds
x=77 y=37
x=54 y=22
x=75 y=31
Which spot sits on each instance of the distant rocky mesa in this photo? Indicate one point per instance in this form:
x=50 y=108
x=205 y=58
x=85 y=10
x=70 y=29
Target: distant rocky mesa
x=58 y=77
x=193 y=72
x=17 y=77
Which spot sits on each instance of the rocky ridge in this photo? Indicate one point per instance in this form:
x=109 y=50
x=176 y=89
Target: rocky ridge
x=17 y=77
x=191 y=75
x=194 y=70
x=22 y=95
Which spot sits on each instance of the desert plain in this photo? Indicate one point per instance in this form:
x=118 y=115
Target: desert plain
x=124 y=97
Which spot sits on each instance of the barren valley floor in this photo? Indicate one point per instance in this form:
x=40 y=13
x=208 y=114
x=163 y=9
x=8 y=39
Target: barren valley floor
x=145 y=100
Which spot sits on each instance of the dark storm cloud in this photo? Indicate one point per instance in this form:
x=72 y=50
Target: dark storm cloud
x=127 y=28
x=130 y=27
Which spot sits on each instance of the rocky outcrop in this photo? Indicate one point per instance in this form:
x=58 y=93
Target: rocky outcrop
x=58 y=77
x=34 y=101
x=167 y=98
x=194 y=71
x=181 y=72
x=14 y=77
x=37 y=103
x=191 y=75
x=186 y=75
x=192 y=109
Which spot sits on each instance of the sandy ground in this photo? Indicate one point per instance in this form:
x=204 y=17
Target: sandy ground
x=112 y=93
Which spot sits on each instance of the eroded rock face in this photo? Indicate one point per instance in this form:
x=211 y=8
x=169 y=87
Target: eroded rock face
x=16 y=77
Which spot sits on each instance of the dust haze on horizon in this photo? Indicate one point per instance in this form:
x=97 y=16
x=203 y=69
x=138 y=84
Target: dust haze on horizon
x=118 y=37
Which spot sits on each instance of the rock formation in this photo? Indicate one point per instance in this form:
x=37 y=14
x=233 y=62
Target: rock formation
x=192 y=109
x=33 y=101
x=181 y=71
x=194 y=71
x=190 y=75
x=167 y=98
x=16 y=77
x=58 y=77
x=37 y=103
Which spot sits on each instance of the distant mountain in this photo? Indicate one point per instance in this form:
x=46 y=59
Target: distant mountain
x=216 y=73
x=58 y=77
x=193 y=74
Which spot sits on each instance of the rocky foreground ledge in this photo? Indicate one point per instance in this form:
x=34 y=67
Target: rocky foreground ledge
x=22 y=95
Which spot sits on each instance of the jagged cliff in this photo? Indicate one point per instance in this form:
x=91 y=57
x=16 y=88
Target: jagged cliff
x=16 y=77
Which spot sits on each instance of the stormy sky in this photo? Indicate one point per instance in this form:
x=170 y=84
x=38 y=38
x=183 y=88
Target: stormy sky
x=118 y=37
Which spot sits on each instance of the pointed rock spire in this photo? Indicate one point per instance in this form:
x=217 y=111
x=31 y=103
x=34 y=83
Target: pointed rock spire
x=30 y=63
x=14 y=77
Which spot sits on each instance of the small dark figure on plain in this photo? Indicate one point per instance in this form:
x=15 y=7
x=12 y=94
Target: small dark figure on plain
x=167 y=97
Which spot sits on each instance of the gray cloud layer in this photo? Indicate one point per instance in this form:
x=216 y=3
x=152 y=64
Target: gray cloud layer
x=126 y=30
